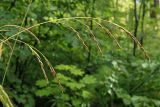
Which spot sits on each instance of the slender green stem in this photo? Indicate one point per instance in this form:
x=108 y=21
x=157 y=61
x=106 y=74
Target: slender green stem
x=9 y=60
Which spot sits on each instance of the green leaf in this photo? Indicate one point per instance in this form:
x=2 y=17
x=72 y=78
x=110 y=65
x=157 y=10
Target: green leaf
x=41 y=83
x=44 y=92
x=76 y=102
x=71 y=68
x=88 y=79
x=74 y=85
x=138 y=101
x=121 y=93
x=65 y=97
x=63 y=77
x=86 y=94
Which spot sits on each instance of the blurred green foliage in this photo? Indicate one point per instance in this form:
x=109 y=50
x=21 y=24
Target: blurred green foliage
x=83 y=78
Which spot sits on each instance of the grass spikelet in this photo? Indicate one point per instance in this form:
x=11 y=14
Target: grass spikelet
x=53 y=72
x=41 y=63
x=92 y=36
x=4 y=98
x=23 y=28
x=133 y=38
x=4 y=30
x=79 y=36
x=36 y=51
x=109 y=33
x=7 y=42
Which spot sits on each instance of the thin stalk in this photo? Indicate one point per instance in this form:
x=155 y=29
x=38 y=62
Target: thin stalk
x=11 y=54
x=135 y=27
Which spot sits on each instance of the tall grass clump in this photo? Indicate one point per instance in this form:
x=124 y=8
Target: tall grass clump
x=40 y=56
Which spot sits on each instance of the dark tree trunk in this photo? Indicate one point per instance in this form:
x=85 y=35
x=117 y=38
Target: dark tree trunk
x=142 y=22
x=91 y=27
x=135 y=27
x=154 y=6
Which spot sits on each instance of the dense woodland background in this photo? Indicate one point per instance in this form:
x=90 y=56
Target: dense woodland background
x=97 y=61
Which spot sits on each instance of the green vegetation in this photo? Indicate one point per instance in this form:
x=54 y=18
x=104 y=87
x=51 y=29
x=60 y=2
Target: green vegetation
x=4 y=98
x=79 y=53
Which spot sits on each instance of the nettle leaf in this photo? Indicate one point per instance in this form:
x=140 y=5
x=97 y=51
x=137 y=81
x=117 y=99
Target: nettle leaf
x=88 y=79
x=76 y=102
x=86 y=94
x=141 y=100
x=121 y=93
x=74 y=85
x=71 y=68
x=69 y=82
x=41 y=83
x=45 y=91
x=63 y=77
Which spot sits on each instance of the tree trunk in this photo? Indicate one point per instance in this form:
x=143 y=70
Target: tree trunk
x=142 y=22
x=154 y=6
x=135 y=27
